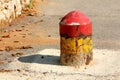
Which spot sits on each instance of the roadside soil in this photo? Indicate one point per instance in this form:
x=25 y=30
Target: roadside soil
x=25 y=35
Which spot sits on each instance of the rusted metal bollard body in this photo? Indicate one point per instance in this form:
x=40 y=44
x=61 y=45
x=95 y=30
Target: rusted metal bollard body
x=76 y=39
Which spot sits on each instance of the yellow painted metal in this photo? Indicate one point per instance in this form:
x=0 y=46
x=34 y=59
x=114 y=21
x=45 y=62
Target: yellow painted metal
x=76 y=45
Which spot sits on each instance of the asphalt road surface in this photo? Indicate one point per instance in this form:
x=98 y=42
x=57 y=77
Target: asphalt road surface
x=104 y=14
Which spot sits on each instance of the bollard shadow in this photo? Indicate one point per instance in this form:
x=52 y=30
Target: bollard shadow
x=40 y=59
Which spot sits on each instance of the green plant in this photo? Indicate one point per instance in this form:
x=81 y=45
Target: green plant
x=1 y=29
x=30 y=5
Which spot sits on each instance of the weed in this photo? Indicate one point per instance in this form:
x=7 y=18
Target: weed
x=30 y=5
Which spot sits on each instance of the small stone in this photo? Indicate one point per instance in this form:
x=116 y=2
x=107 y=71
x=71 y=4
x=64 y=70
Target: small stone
x=49 y=35
x=17 y=54
x=1 y=62
x=3 y=70
x=1 y=50
x=31 y=14
x=16 y=41
x=20 y=70
x=41 y=20
x=60 y=18
x=6 y=31
x=14 y=30
x=13 y=54
x=0 y=39
x=6 y=36
x=22 y=26
x=23 y=36
x=10 y=24
x=24 y=47
x=8 y=48
x=29 y=33
x=9 y=61
x=18 y=30
x=45 y=73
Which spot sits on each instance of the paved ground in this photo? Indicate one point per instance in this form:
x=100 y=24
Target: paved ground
x=30 y=48
x=104 y=14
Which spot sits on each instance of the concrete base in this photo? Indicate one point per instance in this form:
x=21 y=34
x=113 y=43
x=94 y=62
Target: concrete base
x=45 y=65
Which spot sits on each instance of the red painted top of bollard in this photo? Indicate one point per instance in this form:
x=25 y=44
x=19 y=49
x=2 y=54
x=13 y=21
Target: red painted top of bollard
x=75 y=24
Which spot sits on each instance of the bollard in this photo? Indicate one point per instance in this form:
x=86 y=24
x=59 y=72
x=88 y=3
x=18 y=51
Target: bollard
x=75 y=39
